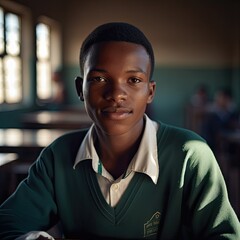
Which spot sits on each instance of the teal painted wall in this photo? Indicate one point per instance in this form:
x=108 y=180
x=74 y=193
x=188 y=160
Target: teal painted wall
x=174 y=89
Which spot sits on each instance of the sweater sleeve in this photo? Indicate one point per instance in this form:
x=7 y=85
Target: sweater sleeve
x=208 y=212
x=32 y=206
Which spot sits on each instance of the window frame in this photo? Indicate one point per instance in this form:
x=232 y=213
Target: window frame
x=55 y=54
x=28 y=54
x=8 y=55
x=26 y=57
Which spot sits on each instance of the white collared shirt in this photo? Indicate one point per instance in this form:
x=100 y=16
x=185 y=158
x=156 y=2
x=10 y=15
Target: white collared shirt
x=145 y=161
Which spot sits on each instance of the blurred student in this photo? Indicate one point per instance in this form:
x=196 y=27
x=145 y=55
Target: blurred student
x=59 y=96
x=222 y=115
x=200 y=98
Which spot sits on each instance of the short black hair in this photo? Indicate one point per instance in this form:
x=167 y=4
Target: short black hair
x=116 y=31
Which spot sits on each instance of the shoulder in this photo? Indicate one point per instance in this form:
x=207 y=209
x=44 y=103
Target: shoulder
x=183 y=146
x=66 y=144
x=72 y=137
x=177 y=135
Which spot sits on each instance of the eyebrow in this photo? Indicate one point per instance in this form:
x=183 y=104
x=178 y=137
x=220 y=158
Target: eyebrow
x=137 y=70
x=97 y=70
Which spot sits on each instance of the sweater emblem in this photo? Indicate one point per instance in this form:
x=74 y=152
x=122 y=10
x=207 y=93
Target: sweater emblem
x=151 y=226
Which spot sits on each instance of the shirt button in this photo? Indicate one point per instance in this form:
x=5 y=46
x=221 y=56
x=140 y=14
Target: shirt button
x=115 y=187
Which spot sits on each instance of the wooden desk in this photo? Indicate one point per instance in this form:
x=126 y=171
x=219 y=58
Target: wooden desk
x=15 y=139
x=27 y=143
x=230 y=140
x=6 y=158
x=25 y=146
x=231 y=136
x=56 y=120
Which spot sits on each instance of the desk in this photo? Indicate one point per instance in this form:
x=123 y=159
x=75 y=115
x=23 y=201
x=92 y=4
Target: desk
x=7 y=158
x=14 y=140
x=56 y=120
x=231 y=136
x=230 y=145
x=25 y=146
x=26 y=143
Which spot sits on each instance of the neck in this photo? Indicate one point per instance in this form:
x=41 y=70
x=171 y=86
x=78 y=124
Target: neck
x=116 y=152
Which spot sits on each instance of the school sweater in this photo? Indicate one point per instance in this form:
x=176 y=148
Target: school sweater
x=189 y=200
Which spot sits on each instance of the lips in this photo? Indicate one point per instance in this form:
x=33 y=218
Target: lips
x=116 y=113
x=116 y=110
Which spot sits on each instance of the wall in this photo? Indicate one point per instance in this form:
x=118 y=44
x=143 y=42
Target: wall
x=176 y=85
x=194 y=42
x=186 y=33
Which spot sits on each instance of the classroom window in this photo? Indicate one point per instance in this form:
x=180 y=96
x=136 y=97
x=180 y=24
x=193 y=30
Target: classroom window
x=44 y=83
x=10 y=58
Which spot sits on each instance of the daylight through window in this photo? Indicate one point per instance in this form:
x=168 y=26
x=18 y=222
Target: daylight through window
x=10 y=61
x=44 y=87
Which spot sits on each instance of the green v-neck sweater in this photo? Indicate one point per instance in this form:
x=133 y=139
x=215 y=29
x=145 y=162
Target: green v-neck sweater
x=189 y=200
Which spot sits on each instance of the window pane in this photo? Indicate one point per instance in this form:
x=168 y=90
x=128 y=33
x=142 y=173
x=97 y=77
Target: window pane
x=1 y=82
x=44 y=85
x=43 y=41
x=1 y=32
x=10 y=61
x=12 y=34
x=13 y=89
x=44 y=80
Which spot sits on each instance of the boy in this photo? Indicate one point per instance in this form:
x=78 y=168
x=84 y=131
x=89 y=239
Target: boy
x=127 y=177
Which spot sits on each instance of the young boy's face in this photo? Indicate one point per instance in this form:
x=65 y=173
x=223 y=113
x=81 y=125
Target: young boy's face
x=116 y=86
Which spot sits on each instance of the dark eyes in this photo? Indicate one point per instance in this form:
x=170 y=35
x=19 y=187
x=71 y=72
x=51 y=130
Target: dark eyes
x=134 y=80
x=99 y=79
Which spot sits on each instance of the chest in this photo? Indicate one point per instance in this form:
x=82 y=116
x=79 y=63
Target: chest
x=144 y=210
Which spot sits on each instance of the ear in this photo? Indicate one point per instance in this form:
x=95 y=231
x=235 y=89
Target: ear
x=152 y=89
x=78 y=85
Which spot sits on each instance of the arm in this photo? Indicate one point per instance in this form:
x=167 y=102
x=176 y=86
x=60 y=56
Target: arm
x=208 y=211
x=32 y=206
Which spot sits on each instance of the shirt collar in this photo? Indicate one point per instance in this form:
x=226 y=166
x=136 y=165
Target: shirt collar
x=145 y=160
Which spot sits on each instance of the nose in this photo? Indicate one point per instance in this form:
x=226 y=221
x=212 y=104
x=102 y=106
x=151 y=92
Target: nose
x=116 y=92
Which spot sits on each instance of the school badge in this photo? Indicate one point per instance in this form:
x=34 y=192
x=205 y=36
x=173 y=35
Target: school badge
x=151 y=226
